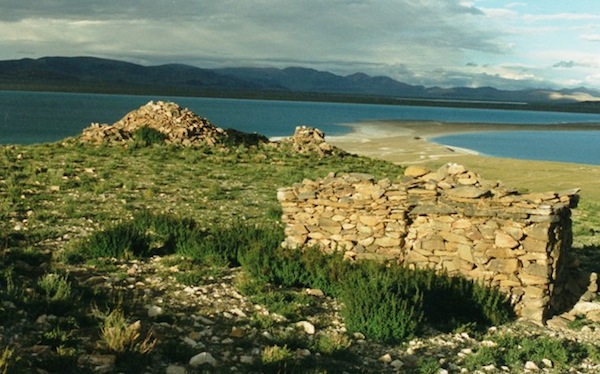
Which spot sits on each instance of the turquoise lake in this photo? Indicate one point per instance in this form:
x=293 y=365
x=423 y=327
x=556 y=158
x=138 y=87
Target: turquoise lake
x=38 y=117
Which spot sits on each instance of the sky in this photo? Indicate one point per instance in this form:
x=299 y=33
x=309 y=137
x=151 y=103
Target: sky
x=503 y=44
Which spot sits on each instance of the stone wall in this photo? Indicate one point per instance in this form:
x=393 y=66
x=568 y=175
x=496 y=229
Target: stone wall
x=450 y=220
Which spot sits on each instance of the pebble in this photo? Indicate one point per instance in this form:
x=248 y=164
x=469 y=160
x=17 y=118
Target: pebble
x=308 y=327
x=201 y=359
x=531 y=366
x=155 y=311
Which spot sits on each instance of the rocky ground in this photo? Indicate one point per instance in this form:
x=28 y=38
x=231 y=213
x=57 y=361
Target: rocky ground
x=213 y=327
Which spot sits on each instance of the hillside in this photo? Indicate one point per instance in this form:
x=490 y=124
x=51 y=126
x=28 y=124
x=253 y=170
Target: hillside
x=88 y=74
x=142 y=256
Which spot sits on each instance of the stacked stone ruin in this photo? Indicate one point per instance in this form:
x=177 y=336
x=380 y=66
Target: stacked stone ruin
x=180 y=126
x=308 y=140
x=450 y=220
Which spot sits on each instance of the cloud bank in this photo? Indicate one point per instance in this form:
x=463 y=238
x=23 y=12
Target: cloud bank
x=429 y=42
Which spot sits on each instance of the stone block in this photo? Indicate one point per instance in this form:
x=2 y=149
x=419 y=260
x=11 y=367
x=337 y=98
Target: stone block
x=433 y=244
x=387 y=241
x=415 y=171
x=413 y=257
x=499 y=253
x=504 y=265
x=533 y=245
x=465 y=253
x=369 y=220
x=532 y=280
x=504 y=240
x=455 y=238
x=542 y=271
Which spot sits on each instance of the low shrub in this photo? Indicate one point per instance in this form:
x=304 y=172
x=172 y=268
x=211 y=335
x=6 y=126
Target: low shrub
x=146 y=136
x=514 y=351
x=383 y=303
x=120 y=336
x=386 y=302
x=123 y=240
x=276 y=357
x=149 y=234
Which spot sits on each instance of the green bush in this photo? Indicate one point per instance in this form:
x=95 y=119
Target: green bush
x=450 y=302
x=237 y=138
x=146 y=136
x=149 y=234
x=296 y=268
x=514 y=351
x=123 y=240
x=383 y=303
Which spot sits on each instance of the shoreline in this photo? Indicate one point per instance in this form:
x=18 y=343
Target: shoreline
x=409 y=142
x=369 y=137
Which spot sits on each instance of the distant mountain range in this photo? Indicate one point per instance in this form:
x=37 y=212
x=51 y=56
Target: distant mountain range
x=89 y=74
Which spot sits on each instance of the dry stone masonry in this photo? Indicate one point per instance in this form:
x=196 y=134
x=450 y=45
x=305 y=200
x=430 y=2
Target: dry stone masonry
x=180 y=126
x=309 y=140
x=450 y=220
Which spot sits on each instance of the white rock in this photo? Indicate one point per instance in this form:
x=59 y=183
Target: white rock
x=248 y=360
x=532 y=366
x=155 y=311
x=303 y=353
x=548 y=363
x=315 y=292
x=203 y=358
x=489 y=367
x=488 y=343
x=238 y=312
x=173 y=369
x=386 y=358
x=584 y=307
x=308 y=327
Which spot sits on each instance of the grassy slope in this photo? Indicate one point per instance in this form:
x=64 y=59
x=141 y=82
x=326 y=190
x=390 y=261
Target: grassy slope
x=52 y=194
x=63 y=190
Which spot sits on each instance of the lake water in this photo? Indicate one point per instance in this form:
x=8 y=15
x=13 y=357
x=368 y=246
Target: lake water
x=37 y=117
x=582 y=147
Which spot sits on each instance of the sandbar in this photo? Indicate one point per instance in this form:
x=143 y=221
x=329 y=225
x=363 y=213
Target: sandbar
x=409 y=142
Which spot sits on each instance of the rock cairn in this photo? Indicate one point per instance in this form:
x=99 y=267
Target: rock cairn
x=309 y=140
x=451 y=220
x=180 y=126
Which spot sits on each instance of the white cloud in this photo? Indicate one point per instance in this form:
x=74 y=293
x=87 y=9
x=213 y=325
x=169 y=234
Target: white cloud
x=591 y=37
x=562 y=17
x=425 y=42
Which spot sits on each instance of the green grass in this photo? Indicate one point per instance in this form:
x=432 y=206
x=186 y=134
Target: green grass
x=86 y=212
x=514 y=351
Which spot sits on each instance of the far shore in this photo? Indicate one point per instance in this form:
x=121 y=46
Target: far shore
x=409 y=142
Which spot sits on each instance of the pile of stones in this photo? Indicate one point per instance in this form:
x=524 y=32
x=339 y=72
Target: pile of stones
x=179 y=126
x=309 y=140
